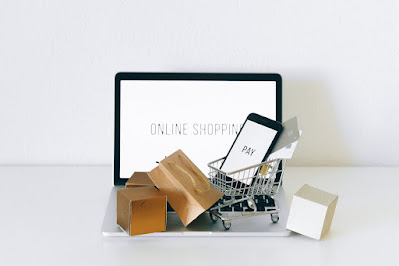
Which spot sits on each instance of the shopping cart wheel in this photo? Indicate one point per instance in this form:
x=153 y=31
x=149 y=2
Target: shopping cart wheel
x=213 y=217
x=274 y=217
x=227 y=224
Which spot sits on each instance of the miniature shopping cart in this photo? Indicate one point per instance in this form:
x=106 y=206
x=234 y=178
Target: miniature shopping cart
x=241 y=186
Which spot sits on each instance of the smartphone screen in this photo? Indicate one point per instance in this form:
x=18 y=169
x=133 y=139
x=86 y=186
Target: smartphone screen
x=250 y=148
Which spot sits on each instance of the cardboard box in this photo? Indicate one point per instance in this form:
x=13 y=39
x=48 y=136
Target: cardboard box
x=139 y=179
x=188 y=190
x=311 y=212
x=141 y=210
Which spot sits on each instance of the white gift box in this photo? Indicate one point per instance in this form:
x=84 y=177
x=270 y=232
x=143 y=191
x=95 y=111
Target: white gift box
x=311 y=212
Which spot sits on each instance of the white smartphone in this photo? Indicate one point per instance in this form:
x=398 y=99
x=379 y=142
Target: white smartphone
x=252 y=145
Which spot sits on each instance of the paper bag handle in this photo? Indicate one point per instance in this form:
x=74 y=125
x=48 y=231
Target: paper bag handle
x=192 y=179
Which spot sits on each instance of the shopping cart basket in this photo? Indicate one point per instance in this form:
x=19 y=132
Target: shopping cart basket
x=243 y=185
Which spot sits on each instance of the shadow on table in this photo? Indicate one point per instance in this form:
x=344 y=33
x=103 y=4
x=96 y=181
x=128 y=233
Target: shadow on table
x=322 y=142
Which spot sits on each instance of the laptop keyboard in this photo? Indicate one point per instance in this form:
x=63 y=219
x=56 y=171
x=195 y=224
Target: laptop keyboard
x=263 y=202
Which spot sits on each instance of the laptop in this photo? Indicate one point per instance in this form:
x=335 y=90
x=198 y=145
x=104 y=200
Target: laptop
x=201 y=114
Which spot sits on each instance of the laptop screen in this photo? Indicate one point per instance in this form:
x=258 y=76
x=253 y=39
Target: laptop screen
x=200 y=117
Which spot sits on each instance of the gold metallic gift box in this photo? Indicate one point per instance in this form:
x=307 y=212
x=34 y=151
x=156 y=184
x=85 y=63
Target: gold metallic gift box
x=141 y=210
x=139 y=179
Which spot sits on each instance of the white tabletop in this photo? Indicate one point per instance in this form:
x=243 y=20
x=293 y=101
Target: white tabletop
x=53 y=216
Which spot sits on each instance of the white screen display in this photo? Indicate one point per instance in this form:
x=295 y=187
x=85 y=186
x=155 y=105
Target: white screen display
x=202 y=118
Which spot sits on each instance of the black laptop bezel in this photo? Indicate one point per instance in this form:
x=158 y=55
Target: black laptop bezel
x=183 y=76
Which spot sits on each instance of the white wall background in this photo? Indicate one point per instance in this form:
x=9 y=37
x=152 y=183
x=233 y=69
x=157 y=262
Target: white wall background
x=339 y=61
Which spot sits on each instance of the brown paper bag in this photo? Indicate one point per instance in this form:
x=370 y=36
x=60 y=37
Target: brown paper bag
x=187 y=188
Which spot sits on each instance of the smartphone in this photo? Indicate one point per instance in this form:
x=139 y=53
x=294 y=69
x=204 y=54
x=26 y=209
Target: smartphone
x=253 y=144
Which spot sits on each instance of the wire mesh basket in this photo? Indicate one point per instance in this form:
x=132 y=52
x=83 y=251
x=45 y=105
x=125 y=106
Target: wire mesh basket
x=243 y=185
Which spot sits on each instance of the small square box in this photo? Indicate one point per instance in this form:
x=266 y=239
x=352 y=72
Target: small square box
x=141 y=210
x=139 y=179
x=311 y=212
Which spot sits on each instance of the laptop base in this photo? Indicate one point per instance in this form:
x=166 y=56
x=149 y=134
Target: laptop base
x=260 y=225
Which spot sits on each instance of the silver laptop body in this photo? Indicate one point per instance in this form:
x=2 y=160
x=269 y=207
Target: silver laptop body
x=264 y=96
